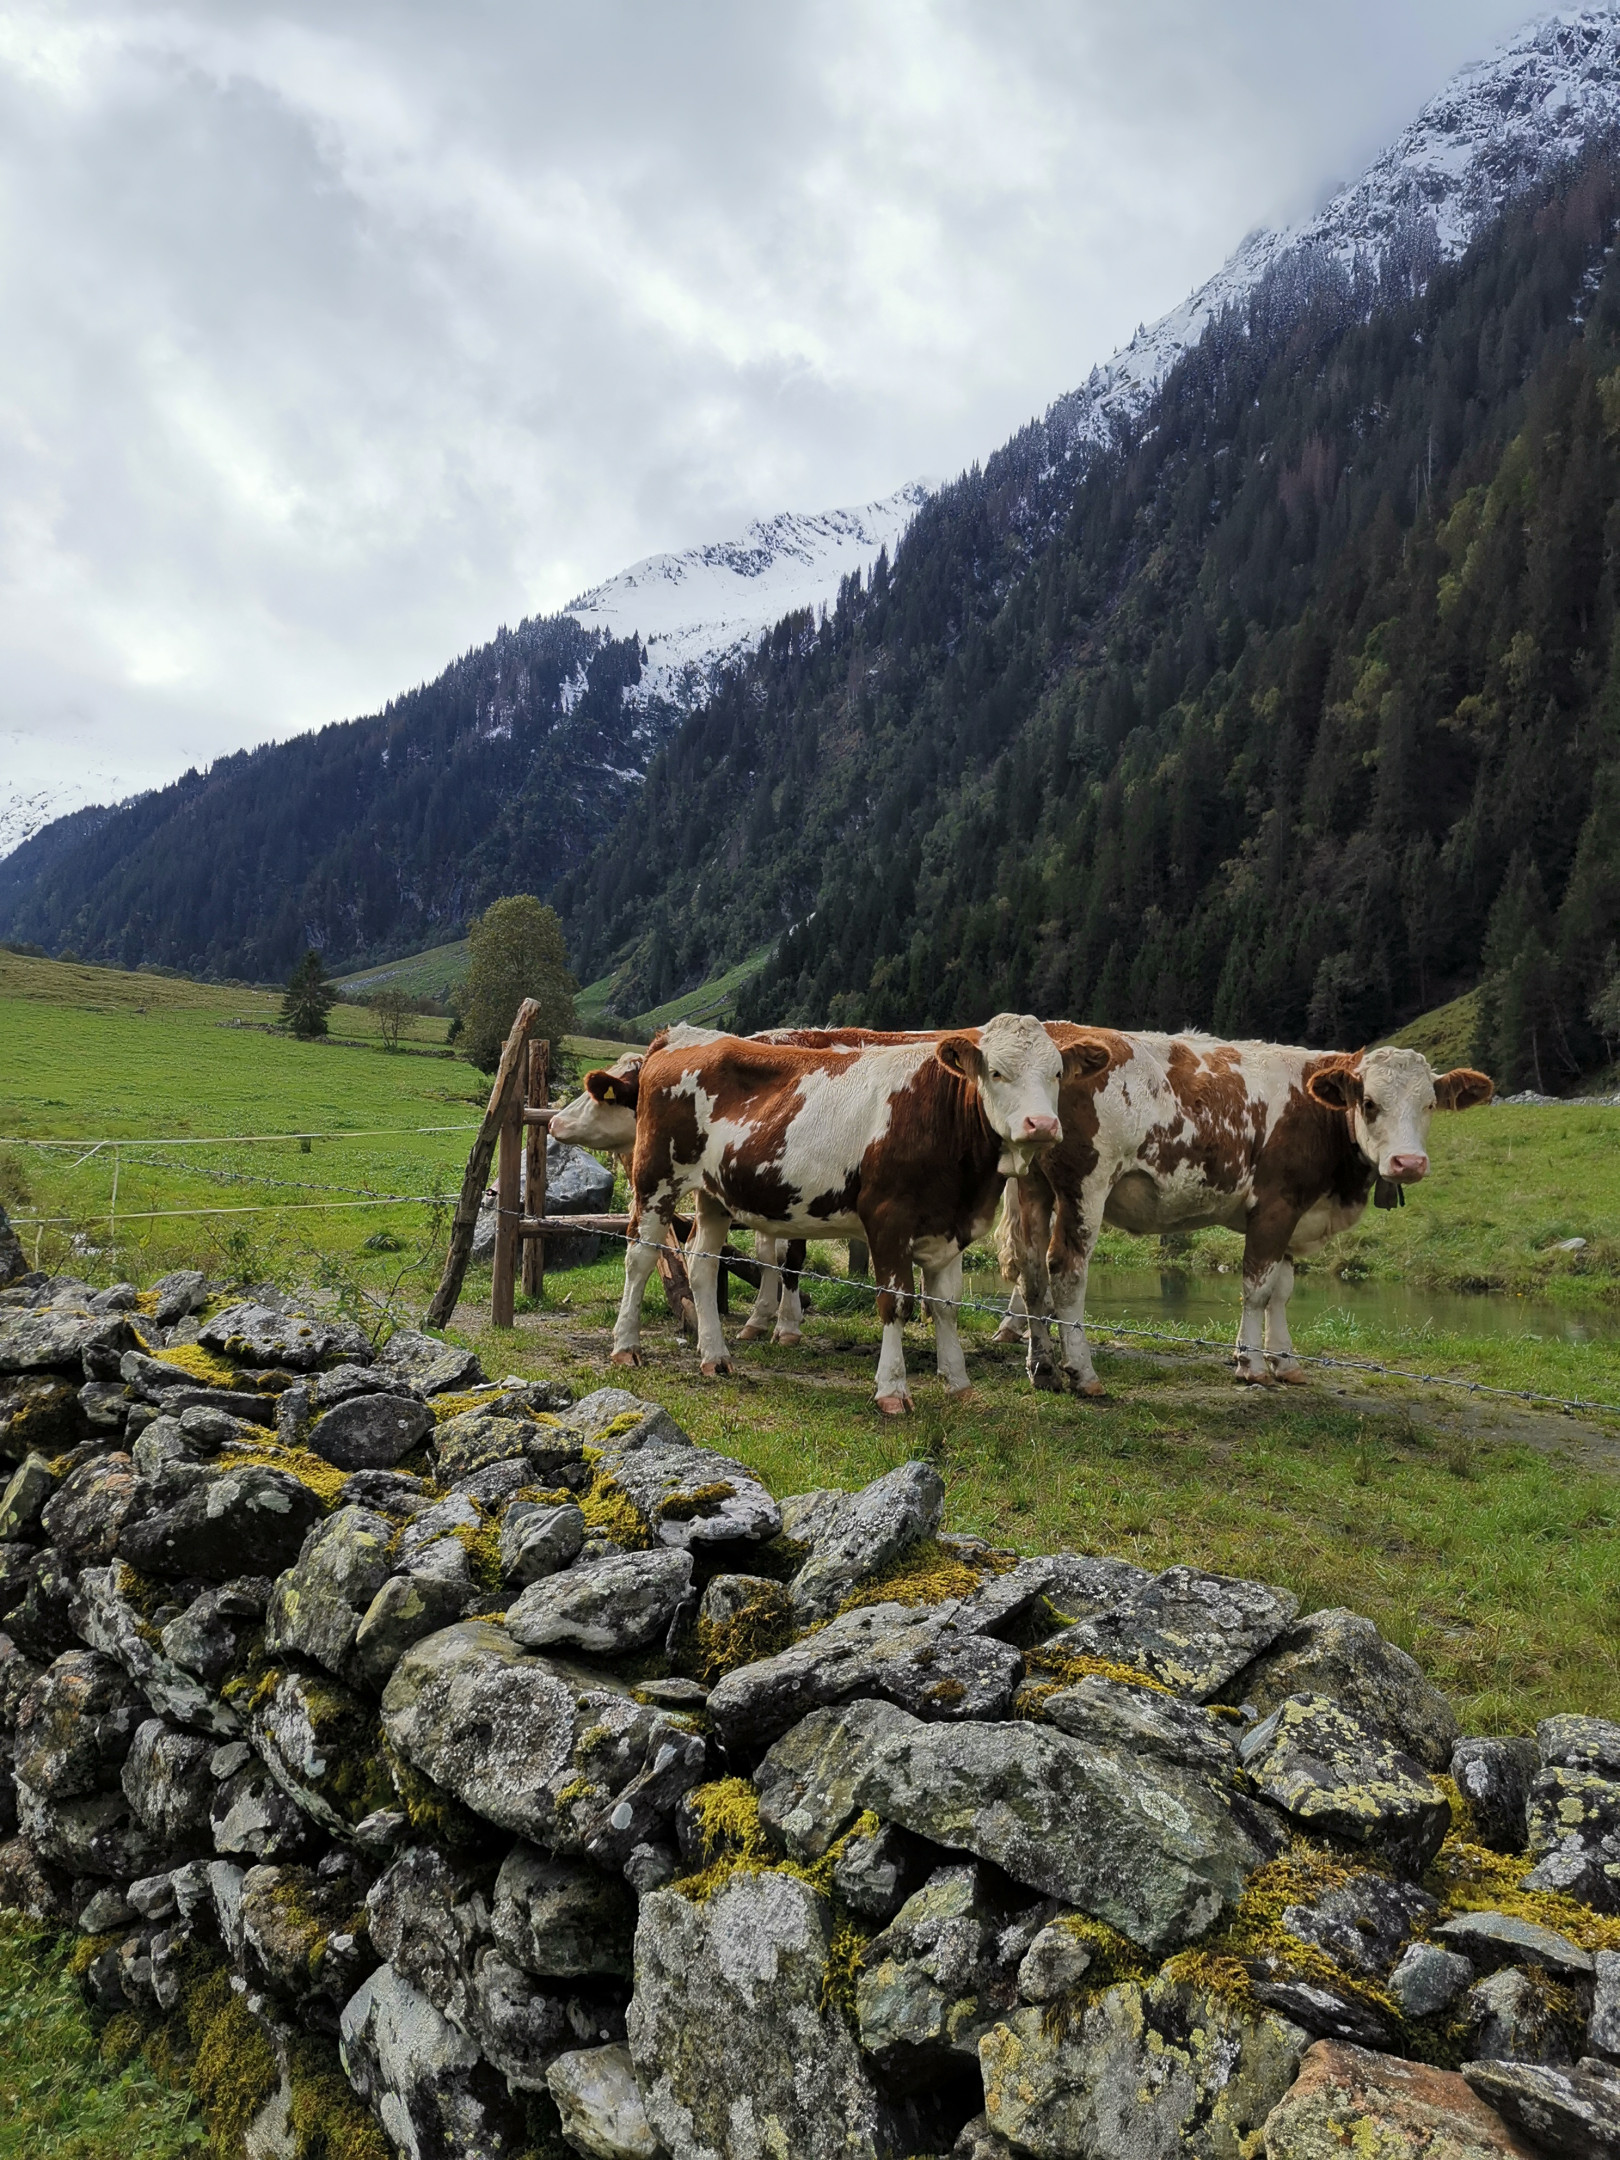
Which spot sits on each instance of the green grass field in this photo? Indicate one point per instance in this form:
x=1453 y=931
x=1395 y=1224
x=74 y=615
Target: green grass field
x=424 y=974
x=710 y=1005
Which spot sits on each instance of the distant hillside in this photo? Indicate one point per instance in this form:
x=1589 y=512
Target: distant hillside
x=367 y=839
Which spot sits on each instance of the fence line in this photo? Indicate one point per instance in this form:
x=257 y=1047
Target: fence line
x=382 y=1132
x=262 y=1207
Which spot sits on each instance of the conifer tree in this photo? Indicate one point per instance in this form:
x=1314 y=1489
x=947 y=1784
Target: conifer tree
x=308 y=998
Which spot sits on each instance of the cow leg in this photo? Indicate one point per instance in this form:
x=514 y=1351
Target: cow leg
x=763 y=1315
x=709 y=1234
x=1265 y=1242
x=1032 y=1198
x=1074 y=1240
x=942 y=1286
x=891 y=1271
x=789 y=1314
x=647 y=1233
x=1279 y=1343
x=1010 y=1254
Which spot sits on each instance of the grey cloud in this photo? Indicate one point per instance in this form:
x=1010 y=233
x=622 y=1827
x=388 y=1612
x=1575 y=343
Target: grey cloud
x=337 y=334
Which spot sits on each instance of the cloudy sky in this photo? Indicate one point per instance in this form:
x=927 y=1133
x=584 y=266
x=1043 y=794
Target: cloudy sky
x=337 y=334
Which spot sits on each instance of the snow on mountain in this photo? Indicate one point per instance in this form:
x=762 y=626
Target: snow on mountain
x=1495 y=129
x=38 y=785
x=700 y=610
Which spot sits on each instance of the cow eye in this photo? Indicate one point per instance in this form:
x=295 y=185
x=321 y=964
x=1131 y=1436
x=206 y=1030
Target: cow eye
x=998 y=1076
x=1372 y=1111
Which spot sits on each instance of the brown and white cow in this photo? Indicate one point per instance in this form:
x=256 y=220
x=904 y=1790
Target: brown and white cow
x=903 y=1144
x=1182 y=1132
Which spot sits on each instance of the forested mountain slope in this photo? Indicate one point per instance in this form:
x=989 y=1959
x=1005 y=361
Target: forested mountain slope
x=366 y=839
x=1292 y=715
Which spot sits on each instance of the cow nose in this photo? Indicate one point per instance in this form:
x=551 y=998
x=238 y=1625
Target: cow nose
x=1041 y=1128
x=1407 y=1169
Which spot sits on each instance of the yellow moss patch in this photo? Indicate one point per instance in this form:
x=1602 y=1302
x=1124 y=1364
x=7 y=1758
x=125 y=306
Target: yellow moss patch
x=759 y=1629
x=606 y=1506
x=324 y=1479
x=701 y=1500
x=446 y=1407
x=234 y=2070
x=205 y=1367
x=430 y=1810
x=89 y=1947
x=1049 y=1671
x=846 y=1955
x=927 y=1573
x=1469 y=1877
x=482 y=1545
x=328 y=2122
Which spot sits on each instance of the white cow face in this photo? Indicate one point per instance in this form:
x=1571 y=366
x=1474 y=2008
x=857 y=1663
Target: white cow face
x=1389 y=1098
x=603 y=1114
x=1016 y=1067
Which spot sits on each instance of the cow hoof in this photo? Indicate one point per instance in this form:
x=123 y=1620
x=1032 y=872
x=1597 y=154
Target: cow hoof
x=712 y=1368
x=1254 y=1379
x=787 y=1341
x=750 y=1333
x=894 y=1405
x=1009 y=1332
x=625 y=1357
x=1045 y=1377
x=1092 y=1389
x=1292 y=1375
x=968 y=1394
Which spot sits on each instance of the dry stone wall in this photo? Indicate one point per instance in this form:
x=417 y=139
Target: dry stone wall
x=448 y=1767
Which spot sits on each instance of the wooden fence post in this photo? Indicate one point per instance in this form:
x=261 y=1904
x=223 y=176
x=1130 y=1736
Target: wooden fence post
x=508 y=1077
x=534 y=1169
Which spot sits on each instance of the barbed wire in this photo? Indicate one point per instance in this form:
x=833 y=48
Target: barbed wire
x=123 y=1140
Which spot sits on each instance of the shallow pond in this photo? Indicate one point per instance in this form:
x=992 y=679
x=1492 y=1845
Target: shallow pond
x=1208 y=1305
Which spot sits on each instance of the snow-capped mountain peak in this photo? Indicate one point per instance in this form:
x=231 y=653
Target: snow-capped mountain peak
x=702 y=609
x=1496 y=128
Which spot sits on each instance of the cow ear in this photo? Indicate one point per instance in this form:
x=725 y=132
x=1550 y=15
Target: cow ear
x=1335 y=1087
x=1082 y=1060
x=961 y=1055
x=618 y=1089
x=1462 y=1089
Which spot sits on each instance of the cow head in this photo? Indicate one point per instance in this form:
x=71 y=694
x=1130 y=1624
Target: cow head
x=603 y=1114
x=1389 y=1097
x=1016 y=1067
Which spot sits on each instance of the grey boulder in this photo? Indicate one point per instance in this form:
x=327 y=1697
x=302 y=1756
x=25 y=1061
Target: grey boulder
x=1337 y=1778
x=854 y=1536
x=316 y=1606
x=600 y=2104
x=1569 y=2112
x=433 y=1588
x=1508 y=2018
x=430 y=1367
x=738 y=1980
x=561 y=1919
x=1156 y=2071
x=23 y=1500
x=937 y=1977
x=369 y=1431
x=166 y=1781
x=565 y=1758
x=107 y=1613
x=259 y=1335
x=1494 y=1777
x=539 y=1538
x=243 y=1519
x=1428 y=1980
x=65 y=1340
x=1142 y=1720
x=1497 y=1937
x=1146 y=1846
x=917 y=1658
x=694 y=1498
x=1190 y=1630
x=433 y=2093
x=1341 y=1654
x=86 y=1515
x=609 y=1606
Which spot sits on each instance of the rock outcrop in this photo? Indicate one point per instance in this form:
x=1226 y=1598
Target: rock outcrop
x=518 y=1777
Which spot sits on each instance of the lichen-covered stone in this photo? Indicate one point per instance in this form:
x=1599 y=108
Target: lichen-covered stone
x=1141 y=1720
x=609 y=1606
x=433 y=1588
x=561 y=1919
x=600 y=2104
x=167 y=1782
x=1509 y=2018
x=917 y=1658
x=1165 y=2070
x=471 y=1442
x=206 y=1639
x=741 y=1980
x=306 y=1939
x=1362 y=1923
x=1496 y=1937
x=39 y=1412
x=1188 y=1629
x=1427 y=1979
x=41 y=1622
x=854 y=1536
x=23 y=1500
x=1351 y=2100
x=1494 y=1777
x=694 y=1498
x=936 y=1978
x=553 y=1753
x=316 y=1606
x=240 y=1519
x=75 y=1726
x=318 y=1740
x=432 y=1368
x=107 y=1613
x=1147 y=1846
x=370 y=1431
x=64 y=1341
x=1339 y=1779
x=424 y=2076
x=251 y=1817
x=86 y=1514
x=1573 y=1823
x=1054 y=1964
x=257 y=1335
x=1341 y=1654
x=538 y=1539
x=1568 y=2112
x=875 y=1873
